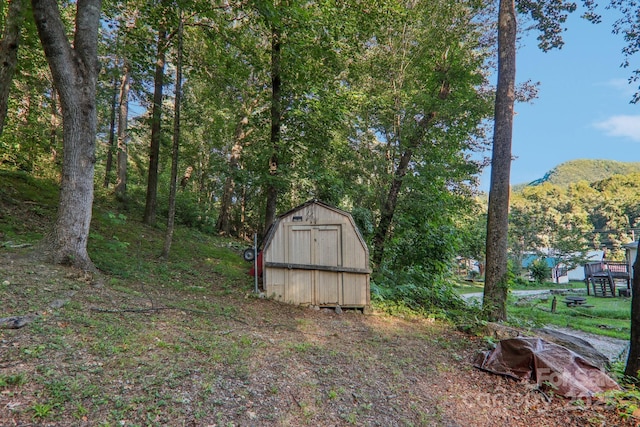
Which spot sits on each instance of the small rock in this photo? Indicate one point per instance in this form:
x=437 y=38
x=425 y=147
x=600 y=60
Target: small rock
x=338 y=309
x=58 y=303
x=6 y=283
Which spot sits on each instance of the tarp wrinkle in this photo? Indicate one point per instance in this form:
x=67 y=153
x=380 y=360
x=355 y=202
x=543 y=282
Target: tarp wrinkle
x=551 y=366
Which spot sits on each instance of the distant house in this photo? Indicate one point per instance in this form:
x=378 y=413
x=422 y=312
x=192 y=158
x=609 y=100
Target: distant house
x=631 y=251
x=558 y=270
x=578 y=272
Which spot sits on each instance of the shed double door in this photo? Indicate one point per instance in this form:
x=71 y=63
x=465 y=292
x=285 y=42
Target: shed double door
x=314 y=245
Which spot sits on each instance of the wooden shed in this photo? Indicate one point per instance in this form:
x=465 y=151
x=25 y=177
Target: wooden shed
x=315 y=255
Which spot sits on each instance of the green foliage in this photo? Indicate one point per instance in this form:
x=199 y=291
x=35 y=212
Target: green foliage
x=587 y=170
x=415 y=289
x=364 y=221
x=12 y=380
x=540 y=270
x=116 y=219
x=626 y=401
x=550 y=220
x=190 y=213
x=42 y=410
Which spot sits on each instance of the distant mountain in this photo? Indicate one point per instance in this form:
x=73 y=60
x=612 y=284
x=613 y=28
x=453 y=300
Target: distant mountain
x=583 y=170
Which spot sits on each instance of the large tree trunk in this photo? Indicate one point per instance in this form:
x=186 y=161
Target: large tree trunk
x=276 y=113
x=633 y=361
x=74 y=71
x=123 y=117
x=9 y=53
x=496 y=277
x=154 y=150
x=175 y=150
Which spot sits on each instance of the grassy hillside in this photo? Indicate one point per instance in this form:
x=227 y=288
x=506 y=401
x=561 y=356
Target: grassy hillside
x=584 y=170
x=186 y=342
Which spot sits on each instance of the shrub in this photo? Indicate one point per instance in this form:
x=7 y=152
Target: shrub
x=414 y=289
x=539 y=270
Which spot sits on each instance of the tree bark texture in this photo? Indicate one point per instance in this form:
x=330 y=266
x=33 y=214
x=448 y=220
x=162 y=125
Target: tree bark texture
x=9 y=53
x=276 y=113
x=496 y=272
x=123 y=117
x=156 y=129
x=75 y=71
x=112 y=135
x=633 y=361
x=168 y=238
x=388 y=209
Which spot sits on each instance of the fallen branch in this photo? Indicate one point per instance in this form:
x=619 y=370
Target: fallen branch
x=12 y=245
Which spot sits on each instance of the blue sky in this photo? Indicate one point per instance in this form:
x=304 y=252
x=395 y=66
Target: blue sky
x=582 y=110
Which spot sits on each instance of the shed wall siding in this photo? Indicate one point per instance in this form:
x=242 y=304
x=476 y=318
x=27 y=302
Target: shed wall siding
x=355 y=289
x=323 y=237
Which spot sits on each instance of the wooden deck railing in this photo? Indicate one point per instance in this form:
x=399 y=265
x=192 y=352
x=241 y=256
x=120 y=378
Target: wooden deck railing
x=602 y=276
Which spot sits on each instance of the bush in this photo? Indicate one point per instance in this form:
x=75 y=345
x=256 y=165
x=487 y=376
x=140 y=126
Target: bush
x=416 y=290
x=539 y=270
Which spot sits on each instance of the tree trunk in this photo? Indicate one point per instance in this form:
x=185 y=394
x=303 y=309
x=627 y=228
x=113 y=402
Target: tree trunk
x=54 y=126
x=496 y=277
x=154 y=150
x=9 y=53
x=175 y=150
x=123 y=121
x=75 y=72
x=388 y=209
x=223 y=224
x=112 y=135
x=276 y=113
x=633 y=361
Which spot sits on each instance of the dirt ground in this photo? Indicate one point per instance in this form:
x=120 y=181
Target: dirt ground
x=134 y=355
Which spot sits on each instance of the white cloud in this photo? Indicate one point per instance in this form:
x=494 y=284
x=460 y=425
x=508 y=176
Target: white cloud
x=622 y=126
x=623 y=87
x=618 y=83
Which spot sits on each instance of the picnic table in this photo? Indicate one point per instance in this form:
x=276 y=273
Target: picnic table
x=572 y=301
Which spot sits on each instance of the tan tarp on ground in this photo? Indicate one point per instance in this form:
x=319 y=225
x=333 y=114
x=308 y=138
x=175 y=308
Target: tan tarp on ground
x=553 y=367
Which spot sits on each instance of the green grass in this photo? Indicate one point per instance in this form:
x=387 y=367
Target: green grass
x=463 y=287
x=609 y=316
